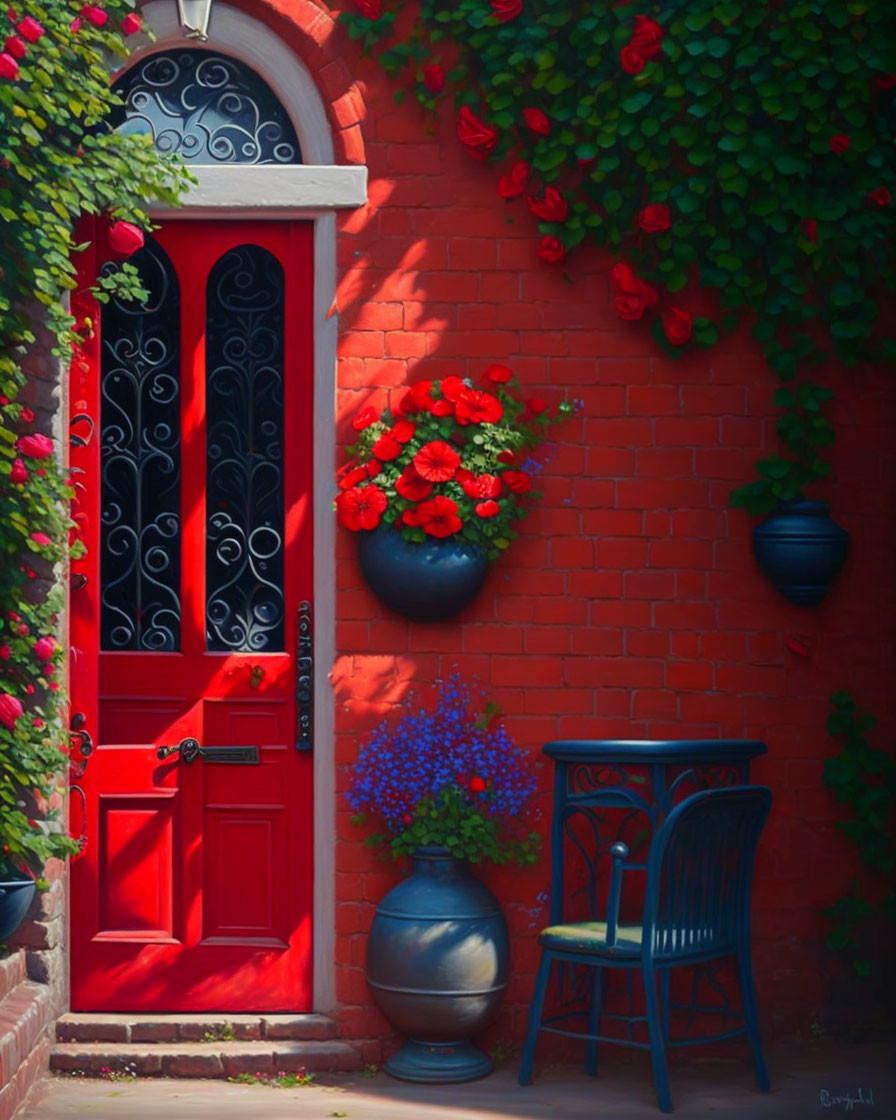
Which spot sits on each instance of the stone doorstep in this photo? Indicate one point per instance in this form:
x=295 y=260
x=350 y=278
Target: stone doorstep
x=85 y=1026
x=210 y=1059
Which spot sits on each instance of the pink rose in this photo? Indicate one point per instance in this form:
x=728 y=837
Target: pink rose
x=19 y=472
x=44 y=648
x=30 y=29
x=9 y=68
x=41 y=538
x=94 y=15
x=131 y=24
x=36 y=446
x=15 y=47
x=10 y=710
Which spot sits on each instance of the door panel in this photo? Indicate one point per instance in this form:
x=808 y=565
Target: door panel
x=194 y=891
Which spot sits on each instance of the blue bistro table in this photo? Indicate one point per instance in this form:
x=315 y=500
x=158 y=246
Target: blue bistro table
x=613 y=789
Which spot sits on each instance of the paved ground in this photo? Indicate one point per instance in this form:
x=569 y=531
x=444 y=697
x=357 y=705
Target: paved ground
x=820 y=1079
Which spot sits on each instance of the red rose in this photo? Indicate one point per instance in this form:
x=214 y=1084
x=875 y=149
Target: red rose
x=647 y=37
x=15 y=47
x=839 y=143
x=438 y=517
x=360 y=508
x=95 y=15
x=131 y=24
x=434 y=77
x=411 y=486
x=505 y=10
x=884 y=81
x=482 y=486
x=498 y=374
x=536 y=405
x=19 y=472
x=514 y=182
x=9 y=68
x=632 y=305
x=365 y=418
x=476 y=135
x=10 y=710
x=475 y=407
x=537 y=121
x=125 y=238
x=551 y=250
x=41 y=539
x=403 y=431
x=880 y=196
x=623 y=278
x=371 y=9
x=359 y=474
x=654 y=218
x=553 y=207
x=27 y=414
x=5 y=653
x=487 y=509
x=436 y=461
x=44 y=648
x=478 y=785
x=30 y=29
x=36 y=446
x=386 y=448
x=517 y=481
x=75 y=25
x=631 y=61
x=678 y=326
x=810 y=228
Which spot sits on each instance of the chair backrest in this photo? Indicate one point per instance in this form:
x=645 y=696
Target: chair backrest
x=699 y=872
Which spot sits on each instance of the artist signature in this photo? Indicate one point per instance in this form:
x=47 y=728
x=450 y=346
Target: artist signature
x=846 y=1101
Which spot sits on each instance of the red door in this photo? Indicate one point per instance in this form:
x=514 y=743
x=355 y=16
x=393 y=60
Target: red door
x=189 y=613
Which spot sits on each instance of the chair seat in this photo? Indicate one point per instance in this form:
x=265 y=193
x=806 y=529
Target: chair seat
x=591 y=937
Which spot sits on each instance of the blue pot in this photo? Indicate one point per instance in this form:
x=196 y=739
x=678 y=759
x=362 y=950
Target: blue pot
x=800 y=549
x=437 y=964
x=428 y=581
x=15 y=899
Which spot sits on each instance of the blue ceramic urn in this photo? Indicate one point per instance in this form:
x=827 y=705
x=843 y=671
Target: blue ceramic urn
x=16 y=894
x=426 y=581
x=437 y=965
x=800 y=548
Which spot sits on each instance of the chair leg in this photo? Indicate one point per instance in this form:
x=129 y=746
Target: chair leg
x=594 y=1012
x=657 y=1045
x=665 y=1006
x=535 y=1009
x=751 y=1017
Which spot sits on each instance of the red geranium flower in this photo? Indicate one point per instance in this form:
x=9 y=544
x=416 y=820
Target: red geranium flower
x=418 y=398
x=359 y=474
x=536 y=405
x=631 y=60
x=365 y=418
x=505 y=10
x=839 y=143
x=654 y=218
x=517 y=481
x=434 y=77
x=482 y=486
x=537 y=121
x=411 y=486
x=514 y=182
x=437 y=461
x=452 y=387
x=361 y=507
x=678 y=325
x=478 y=785
x=442 y=408
x=498 y=373
x=551 y=250
x=553 y=207
x=438 y=517
x=647 y=38
x=403 y=430
x=36 y=446
x=487 y=509
x=475 y=407
x=386 y=448
x=476 y=135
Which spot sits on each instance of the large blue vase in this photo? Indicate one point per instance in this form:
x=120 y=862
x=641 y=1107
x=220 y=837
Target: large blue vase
x=426 y=581
x=437 y=964
x=15 y=898
x=800 y=549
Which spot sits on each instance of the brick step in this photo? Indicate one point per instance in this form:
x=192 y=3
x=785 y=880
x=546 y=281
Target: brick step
x=88 y=1026
x=25 y=1019
x=203 y=1059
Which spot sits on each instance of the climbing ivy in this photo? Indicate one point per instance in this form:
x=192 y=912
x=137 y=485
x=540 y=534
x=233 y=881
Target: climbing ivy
x=744 y=148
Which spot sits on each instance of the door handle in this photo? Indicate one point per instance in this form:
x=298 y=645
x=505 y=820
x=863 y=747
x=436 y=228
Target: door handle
x=189 y=750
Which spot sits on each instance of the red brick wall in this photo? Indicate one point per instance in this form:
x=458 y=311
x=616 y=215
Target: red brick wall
x=631 y=605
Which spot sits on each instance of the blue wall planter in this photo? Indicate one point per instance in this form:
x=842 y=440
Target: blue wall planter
x=437 y=965
x=429 y=581
x=15 y=898
x=800 y=549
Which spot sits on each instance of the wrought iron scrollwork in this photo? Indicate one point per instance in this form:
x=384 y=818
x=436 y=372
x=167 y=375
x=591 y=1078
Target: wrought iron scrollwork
x=244 y=400
x=304 y=679
x=206 y=107
x=140 y=439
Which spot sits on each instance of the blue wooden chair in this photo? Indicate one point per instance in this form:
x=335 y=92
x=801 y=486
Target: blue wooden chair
x=696 y=910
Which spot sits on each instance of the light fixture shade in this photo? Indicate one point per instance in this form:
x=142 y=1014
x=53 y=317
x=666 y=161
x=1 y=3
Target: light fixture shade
x=194 y=17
